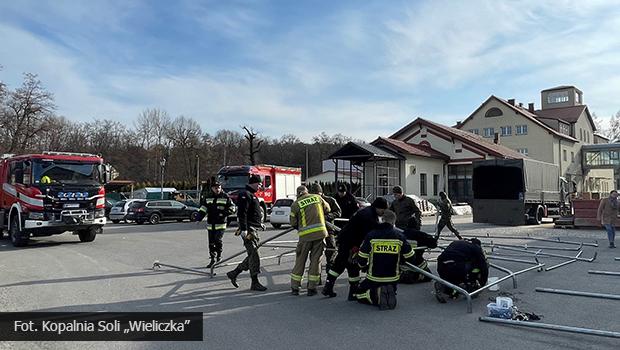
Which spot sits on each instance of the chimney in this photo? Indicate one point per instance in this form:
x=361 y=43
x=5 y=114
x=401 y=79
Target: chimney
x=530 y=107
x=458 y=124
x=520 y=105
x=511 y=101
x=496 y=138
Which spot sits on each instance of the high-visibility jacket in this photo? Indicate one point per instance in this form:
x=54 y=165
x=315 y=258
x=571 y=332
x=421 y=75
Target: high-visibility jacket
x=308 y=217
x=217 y=208
x=382 y=251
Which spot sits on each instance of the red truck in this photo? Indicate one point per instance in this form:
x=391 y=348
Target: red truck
x=50 y=193
x=278 y=182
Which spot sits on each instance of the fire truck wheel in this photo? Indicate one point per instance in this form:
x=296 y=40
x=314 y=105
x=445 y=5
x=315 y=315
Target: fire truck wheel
x=154 y=219
x=89 y=235
x=18 y=239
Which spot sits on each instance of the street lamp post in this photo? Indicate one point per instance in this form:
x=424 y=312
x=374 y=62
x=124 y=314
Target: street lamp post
x=198 y=177
x=162 y=165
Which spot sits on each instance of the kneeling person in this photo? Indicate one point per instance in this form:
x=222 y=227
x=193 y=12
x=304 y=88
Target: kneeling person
x=464 y=264
x=381 y=253
x=417 y=238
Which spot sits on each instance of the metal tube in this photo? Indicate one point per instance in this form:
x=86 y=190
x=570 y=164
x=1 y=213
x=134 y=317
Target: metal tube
x=509 y=272
x=505 y=278
x=290 y=252
x=564 y=263
x=554 y=327
x=222 y=262
x=444 y=282
x=527 y=246
x=617 y=259
x=609 y=273
x=494 y=257
x=553 y=255
x=157 y=265
x=278 y=246
x=577 y=293
x=556 y=240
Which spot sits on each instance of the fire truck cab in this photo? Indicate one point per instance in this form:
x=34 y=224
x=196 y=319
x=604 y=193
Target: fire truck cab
x=51 y=193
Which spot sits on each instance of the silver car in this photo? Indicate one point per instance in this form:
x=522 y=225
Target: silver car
x=118 y=212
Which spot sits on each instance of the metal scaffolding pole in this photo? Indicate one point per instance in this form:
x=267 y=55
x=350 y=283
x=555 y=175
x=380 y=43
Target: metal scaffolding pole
x=577 y=293
x=608 y=273
x=554 y=327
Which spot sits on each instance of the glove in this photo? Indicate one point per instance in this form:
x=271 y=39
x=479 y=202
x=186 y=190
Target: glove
x=243 y=234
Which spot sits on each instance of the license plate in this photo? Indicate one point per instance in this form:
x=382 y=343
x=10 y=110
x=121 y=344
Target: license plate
x=279 y=213
x=71 y=205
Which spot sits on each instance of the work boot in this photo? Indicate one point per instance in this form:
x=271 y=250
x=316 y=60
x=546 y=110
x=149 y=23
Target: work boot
x=233 y=277
x=387 y=297
x=352 y=291
x=328 y=289
x=211 y=263
x=439 y=292
x=311 y=292
x=294 y=291
x=256 y=285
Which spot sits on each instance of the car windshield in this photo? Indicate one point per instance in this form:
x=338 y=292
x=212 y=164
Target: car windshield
x=120 y=204
x=49 y=172
x=233 y=181
x=283 y=203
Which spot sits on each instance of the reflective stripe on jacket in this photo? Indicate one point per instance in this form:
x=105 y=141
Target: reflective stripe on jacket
x=308 y=216
x=217 y=208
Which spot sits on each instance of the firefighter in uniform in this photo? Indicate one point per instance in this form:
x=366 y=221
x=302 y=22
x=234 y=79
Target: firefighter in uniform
x=347 y=203
x=416 y=238
x=381 y=253
x=216 y=207
x=333 y=213
x=308 y=217
x=464 y=264
x=250 y=218
x=349 y=241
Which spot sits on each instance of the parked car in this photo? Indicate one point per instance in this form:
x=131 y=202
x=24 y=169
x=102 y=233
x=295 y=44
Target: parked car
x=156 y=211
x=109 y=204
x=281 y=212
x=119 y=210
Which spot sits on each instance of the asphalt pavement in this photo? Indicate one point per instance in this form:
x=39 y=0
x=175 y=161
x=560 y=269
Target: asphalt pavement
x=114 y=273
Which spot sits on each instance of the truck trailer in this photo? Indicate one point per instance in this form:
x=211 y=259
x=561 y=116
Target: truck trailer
x=518 y=191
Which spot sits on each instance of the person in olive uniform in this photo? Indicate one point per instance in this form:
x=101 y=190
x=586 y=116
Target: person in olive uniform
x=250 y=217
x=445 y=215
x=405 y=209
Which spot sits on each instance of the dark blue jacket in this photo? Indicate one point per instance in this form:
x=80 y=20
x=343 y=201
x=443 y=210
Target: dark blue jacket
x=383 y=250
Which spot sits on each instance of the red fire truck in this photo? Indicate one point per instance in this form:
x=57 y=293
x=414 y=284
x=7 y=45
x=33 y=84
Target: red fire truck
x=50 y=193
x=278 y=182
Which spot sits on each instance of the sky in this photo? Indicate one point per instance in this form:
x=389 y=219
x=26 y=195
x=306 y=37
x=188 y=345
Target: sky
x=360 y=68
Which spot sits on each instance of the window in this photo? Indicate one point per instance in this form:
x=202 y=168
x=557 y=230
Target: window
x=580 y=134
x=557 y=97
x=572 y=156
x=267 y=181
x=493 y=112
x=587 y=137
x=564 y=155
x=564 y=129
x=435 y=184
x=474 y=131
x=423 y=185
x=521 y=130
x=489 y=132
x=176 y=204
x=523 y=151
x=506 y=130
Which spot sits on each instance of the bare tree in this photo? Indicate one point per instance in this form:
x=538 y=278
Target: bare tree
x=254 y=144
x=185 y=135
x=25 y=113
x=613 y=133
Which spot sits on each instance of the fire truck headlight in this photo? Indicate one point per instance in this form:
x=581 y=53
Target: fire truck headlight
x=36 y=216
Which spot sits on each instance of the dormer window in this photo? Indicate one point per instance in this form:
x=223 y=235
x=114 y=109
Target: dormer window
x=558 y=97
x=493 y=112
